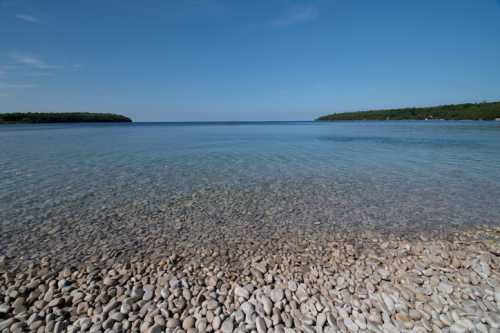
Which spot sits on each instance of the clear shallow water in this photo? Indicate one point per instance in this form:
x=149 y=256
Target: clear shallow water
x=450 y=170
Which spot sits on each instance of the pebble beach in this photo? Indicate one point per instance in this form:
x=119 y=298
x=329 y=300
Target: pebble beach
x=176 y=266
x=423 y=285
x=258 y=228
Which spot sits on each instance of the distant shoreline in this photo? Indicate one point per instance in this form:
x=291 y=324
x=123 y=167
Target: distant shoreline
x=469 y=111
x=66 y=117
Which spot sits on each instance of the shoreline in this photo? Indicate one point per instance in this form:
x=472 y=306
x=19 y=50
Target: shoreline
x=271 y=258
x=392 y=284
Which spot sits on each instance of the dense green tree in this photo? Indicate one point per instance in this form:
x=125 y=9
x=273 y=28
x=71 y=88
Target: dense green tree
x=69 y=117
x=469 y=111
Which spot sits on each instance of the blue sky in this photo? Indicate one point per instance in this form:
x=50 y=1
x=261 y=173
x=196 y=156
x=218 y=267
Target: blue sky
x=245 y=60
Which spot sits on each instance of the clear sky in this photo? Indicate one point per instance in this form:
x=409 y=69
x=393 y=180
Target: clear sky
x=166 y=60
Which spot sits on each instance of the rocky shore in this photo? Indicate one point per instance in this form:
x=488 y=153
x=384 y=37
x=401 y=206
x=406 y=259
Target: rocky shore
x=350 y=284
x=268 y=259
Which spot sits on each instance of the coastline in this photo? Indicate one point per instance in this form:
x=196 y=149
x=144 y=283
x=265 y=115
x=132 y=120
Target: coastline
x=322 y=232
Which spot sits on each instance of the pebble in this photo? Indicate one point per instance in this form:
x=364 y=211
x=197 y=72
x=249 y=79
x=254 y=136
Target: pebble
x=212 y=304
x=392 y=285
x=188 y=322
x=457 y=328
x=267 y=304
x=445 y=288
x=351 y=326
x=148 y=293
x=261 y=325
x=227 y=325
x=241 y=292
x=277 y=295
x=216 y=323
x=173 y=323
x=155 y=329
x=4 y=324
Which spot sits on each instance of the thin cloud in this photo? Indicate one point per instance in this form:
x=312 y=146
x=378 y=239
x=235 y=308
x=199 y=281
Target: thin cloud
x=4 y=70
x=40 y=74
x=77 y=67
x=296 y=15
x=5 y=86
x=28 y=18
x=7 y=89
x=31 y=61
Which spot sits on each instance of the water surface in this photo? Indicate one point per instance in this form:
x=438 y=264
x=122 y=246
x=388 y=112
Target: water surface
x=443 y=172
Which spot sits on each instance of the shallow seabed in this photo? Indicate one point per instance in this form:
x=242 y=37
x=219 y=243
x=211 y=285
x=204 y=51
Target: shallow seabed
x=266 y=215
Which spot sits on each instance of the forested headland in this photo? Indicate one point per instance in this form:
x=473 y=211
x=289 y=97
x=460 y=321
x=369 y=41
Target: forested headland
x=469 y=111
x=67 y=117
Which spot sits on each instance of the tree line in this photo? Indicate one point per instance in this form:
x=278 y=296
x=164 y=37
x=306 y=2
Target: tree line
x=68 y=117
x=468 y=111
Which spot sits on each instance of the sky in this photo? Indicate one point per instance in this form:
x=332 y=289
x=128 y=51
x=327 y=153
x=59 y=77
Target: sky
x=216 y=60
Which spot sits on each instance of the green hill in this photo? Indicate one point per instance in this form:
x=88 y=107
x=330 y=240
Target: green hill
x=469 y=111
x=69 y=117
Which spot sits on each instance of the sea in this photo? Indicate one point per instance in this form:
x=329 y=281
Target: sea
x=428 y=173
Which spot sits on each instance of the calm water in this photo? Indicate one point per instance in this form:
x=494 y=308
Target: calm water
x=449 y=167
